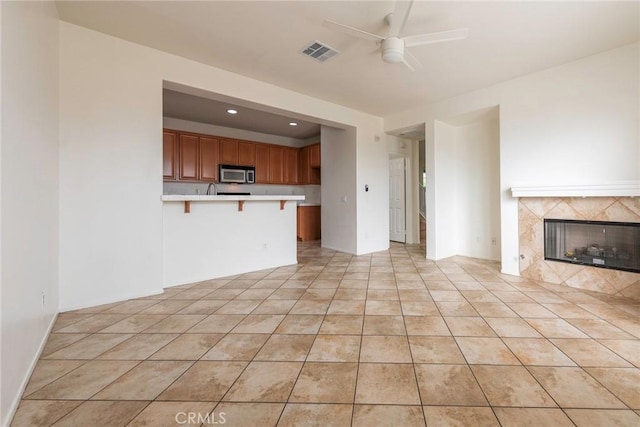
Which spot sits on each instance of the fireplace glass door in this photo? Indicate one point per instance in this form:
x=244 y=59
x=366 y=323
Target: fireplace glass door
x=604 y=244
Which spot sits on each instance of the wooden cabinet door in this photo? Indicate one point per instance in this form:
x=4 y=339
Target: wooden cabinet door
x=309 y=223
x=314 y=154
x=188 y=155
x=262 y=164
x=303 y=166
x=169 y=155
x=209 y=151
x=276 y=164
x=246 y=153
x=314 y=176
x=290 y=166
x=228 y=151
x=314 y=222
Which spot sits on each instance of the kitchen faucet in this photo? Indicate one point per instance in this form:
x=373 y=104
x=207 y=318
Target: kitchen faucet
x=215 y=190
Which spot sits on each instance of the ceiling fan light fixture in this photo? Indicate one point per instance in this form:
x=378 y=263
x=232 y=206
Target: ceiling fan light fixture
x=393 y=50
x=394 y=44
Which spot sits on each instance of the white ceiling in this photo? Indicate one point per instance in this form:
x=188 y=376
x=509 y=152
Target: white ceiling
x=262 y=40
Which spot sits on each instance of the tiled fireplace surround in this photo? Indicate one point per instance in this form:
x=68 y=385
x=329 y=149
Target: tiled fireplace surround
x=533 y=210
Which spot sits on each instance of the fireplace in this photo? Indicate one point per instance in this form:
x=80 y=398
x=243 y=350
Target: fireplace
x=558 y=269
x=605 y=244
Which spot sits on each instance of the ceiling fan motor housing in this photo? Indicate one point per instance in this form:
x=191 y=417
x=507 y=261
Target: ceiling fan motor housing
x=393 y=50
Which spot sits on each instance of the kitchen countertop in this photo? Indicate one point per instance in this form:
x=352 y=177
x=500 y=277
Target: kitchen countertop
x=203 y=198
x=308 y=204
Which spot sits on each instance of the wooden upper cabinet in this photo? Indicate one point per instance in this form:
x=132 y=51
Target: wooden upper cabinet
x=262 y=164
x=276 y=164
x=228 y=151
x=189 y=158
x=314 y=176
x=306 y=173
x=290 y=165
x=246 y=153
x=303 y=166
x=209 y=153
x=314 y=154
x=169 y=155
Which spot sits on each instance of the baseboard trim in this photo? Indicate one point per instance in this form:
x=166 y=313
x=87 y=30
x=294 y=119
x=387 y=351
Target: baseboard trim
x=16 y=401
x=112 y=300
x=337 y=249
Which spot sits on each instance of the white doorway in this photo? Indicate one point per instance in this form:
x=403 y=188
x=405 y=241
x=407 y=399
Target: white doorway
x=397 y=202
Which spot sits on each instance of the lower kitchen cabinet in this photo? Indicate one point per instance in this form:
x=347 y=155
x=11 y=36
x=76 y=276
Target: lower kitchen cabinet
x=308 y=223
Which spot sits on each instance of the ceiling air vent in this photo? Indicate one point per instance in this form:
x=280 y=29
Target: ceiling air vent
x=319 y=51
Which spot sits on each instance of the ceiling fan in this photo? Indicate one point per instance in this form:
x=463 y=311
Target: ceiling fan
x=394 y=46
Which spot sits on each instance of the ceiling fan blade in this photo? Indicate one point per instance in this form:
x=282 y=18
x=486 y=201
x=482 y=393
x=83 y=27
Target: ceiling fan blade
x=411 y=61
x=399 y=17
x=352 y=31
x=442 y=36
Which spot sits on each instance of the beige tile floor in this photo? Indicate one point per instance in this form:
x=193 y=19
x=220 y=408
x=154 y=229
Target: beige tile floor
x=382 y=339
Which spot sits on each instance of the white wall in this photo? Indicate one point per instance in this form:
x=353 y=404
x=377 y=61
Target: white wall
x=338 y=189
x=477 y=203
x=216 y=240
x=110 y=209
x=29 y=196
x=444 y=179
x=572 y=124
x=373 y=206
x=110 y=177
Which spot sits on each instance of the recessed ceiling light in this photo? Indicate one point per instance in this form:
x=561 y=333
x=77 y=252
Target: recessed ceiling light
x=293 y=124
x=232 y=111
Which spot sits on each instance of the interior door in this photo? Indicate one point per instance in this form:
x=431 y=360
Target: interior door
x=397 y=229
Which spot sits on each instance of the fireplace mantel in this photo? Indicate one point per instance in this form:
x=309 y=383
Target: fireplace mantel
x=622 y=189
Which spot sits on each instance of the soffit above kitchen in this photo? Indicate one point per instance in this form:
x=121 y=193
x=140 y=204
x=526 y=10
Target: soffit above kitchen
x=263 y=40
x=184 y=106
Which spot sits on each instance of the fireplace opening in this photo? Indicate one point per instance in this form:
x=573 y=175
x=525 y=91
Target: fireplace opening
x=604 y=244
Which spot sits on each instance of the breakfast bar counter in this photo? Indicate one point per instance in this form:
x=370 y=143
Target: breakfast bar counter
x=208 y=237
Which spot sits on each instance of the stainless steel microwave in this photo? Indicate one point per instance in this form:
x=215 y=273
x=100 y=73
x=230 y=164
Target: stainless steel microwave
x=237 y=174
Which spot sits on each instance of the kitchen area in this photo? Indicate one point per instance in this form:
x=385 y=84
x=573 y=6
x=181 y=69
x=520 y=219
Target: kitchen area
x=240 y=188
